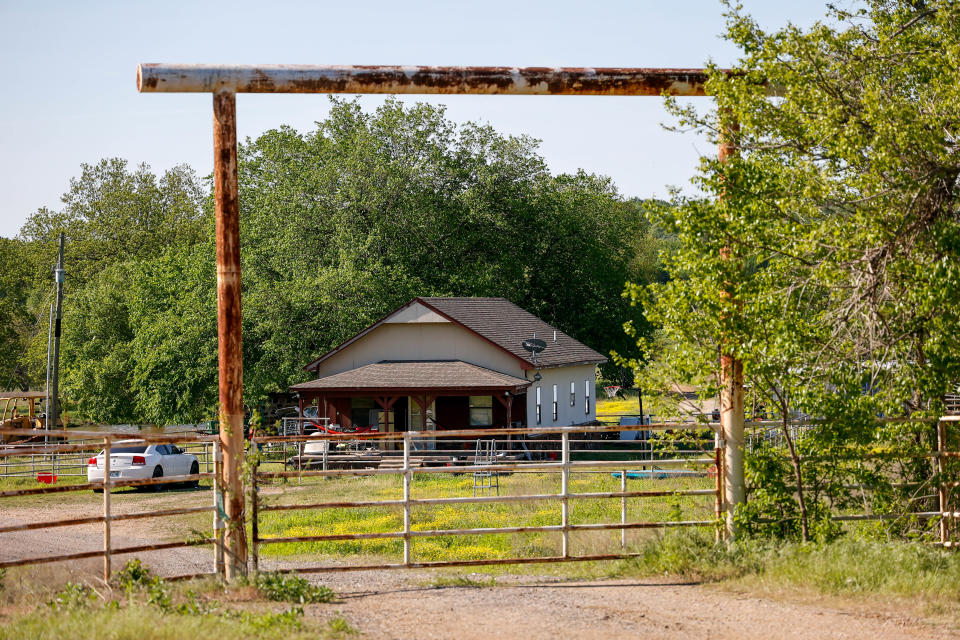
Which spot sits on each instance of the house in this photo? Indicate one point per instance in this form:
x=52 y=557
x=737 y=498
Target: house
x=460 y=362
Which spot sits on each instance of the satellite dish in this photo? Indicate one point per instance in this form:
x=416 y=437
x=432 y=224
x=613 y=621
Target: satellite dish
x=534 y=345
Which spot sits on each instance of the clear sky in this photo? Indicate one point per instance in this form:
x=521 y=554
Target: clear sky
x=69 y=94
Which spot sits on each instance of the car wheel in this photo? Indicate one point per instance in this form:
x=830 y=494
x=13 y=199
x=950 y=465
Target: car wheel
x=157 y=473
x=194 y=470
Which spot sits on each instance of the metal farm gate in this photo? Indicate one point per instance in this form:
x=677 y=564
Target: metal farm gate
x=658 y=484
x=225 y=81
x=571 y=454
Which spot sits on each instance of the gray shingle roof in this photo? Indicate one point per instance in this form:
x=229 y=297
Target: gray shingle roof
x=435 y=374
x=507 y=325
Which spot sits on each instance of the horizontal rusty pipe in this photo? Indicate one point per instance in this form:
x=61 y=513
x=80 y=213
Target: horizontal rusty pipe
x=100 y=553
x=459 y=563
x=481 y=500
x=98 y=519
x=495 y=432
x=116 y=484
x=584 y=81
x=183 y=436
x=435 y=533
x=520 y=466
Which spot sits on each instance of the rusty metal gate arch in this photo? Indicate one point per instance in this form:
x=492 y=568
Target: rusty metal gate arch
x=225 y=81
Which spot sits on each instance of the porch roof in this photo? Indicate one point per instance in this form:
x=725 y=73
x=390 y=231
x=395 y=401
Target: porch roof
x=404 y=377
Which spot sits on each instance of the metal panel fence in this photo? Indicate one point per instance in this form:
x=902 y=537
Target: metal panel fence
x=564 y=458
x=57 y=444
x=545 y=451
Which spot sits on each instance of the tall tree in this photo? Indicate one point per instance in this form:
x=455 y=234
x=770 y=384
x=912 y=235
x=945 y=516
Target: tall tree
x=115 y=218
x=838 y=231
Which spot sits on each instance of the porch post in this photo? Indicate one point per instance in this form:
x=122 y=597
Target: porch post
x=386 y=403
x=507 y=401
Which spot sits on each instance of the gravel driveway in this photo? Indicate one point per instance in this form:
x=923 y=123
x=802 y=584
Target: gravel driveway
x=397 y=604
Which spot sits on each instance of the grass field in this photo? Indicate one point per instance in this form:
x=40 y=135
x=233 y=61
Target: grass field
x=624 y=404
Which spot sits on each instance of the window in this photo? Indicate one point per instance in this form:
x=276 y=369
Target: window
x=573 y=393
x=141 y=449
x=539 y=407
x=481 y=411
x=556 y=405
x=360 y=409
x=416 y=416
x=586 y=397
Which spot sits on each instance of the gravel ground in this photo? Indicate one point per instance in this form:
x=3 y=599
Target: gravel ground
x=608 y=609
x=399 y=604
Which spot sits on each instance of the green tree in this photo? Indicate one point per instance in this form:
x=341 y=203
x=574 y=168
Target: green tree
x=837 y=233
x=114 y=218
x=17 y=320
x=339 y=226
x=345 y=223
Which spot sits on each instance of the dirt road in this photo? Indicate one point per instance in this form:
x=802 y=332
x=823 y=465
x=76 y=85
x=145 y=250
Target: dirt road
x=607 y=609
x=401 y=604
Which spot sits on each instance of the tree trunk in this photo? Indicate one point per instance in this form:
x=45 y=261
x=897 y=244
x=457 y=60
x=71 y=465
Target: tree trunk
x=798 y=474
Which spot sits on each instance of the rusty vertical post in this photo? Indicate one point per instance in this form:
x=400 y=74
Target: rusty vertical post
x=107 y=485
x=226 y=192
x=623 y=509
x=718 y=486
x=407 y=481
x=254 y=519
x=731 y=380
x=941 y=484
x=564 y=493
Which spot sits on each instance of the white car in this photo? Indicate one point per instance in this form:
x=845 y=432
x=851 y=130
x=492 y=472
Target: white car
x=130 y=461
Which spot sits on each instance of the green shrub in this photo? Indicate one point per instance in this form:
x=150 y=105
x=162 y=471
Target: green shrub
x=283 y=588
x=73 y=596
x=133 y=575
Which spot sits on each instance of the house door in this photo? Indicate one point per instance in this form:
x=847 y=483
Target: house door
x=416 y=423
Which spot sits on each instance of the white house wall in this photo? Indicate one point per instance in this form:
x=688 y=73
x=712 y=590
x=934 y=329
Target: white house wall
x=416 y=313
x=423 y=339
x=562 y=377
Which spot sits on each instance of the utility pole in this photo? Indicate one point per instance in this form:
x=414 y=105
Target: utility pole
x=54 y=395
x=46 y=409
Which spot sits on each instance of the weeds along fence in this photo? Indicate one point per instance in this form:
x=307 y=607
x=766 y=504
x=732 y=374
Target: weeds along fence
x=84 y=443
x=906 y=478
x=563 y=459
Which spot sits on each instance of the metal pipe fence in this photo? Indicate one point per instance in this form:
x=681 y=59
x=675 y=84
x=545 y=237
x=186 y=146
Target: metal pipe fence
x=559 y=467
x=95 y=442
x=565 y=452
